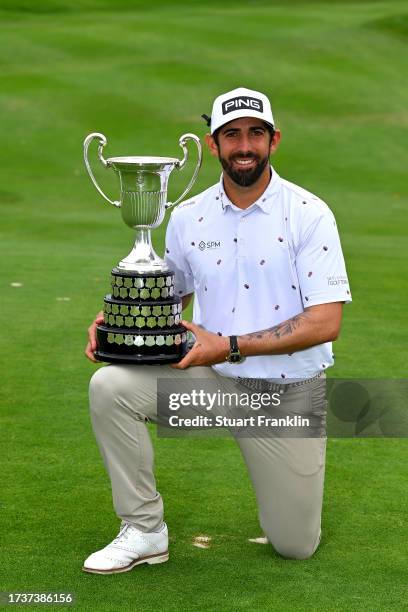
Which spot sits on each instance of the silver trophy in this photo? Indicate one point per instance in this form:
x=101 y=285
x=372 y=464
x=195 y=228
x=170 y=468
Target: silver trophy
x=142 y=315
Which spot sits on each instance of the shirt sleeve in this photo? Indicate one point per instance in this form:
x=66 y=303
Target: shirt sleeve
x=177 y=262
x=320 y=264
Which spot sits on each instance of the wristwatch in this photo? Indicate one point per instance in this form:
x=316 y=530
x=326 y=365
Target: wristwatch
x=234 y=356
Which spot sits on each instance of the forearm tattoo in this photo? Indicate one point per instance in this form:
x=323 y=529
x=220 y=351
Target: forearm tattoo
x=286 y=328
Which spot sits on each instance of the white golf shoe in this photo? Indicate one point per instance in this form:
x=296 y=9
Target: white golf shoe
x=131 y=547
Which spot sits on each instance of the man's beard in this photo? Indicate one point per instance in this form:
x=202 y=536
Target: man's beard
x=245 y=177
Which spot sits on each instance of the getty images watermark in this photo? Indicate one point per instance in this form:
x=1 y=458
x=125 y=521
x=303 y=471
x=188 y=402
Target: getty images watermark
x=206 y=401
x=220 y=407
x=257 y=408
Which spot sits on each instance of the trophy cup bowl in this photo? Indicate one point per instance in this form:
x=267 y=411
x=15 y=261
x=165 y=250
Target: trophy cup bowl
x=141 y=314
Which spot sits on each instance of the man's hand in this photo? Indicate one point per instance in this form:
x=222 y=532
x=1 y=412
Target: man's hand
x=208 y=349
x=92 y=344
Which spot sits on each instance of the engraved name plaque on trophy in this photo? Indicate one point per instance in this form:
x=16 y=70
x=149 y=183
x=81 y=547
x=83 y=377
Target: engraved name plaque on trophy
x=141 y=314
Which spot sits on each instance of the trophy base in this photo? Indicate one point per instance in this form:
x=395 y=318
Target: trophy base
x=142 y=320
x=141 y=347
x=137 y=359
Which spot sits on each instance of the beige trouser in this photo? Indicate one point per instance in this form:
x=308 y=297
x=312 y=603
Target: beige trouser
x=287 y=473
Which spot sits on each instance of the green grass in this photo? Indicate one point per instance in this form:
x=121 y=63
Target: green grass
x=143 y=75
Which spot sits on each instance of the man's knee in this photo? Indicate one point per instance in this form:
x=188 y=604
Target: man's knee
x=122 y=389
x=303 y=547
x=294 y=551
x=103 y=389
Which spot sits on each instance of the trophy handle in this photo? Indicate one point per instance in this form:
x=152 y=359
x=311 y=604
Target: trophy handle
x=180 y=165
x=102 y=142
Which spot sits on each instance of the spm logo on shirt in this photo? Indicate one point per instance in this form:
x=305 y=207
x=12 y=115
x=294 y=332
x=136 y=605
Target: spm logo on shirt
x=242 y=102
x=211 y=244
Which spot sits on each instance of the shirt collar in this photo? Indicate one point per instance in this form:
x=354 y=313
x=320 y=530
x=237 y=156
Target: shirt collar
x=265 y=201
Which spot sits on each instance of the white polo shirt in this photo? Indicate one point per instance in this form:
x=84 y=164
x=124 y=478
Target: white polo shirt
x=252 y=269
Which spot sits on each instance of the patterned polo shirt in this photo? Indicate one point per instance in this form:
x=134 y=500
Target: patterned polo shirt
x=252 y=269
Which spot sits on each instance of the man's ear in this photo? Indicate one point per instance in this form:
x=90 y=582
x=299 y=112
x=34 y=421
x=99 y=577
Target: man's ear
x=211 y=144
x=275 y=141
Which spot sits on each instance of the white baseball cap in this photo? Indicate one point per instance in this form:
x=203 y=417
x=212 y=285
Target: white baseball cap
x=240 y=102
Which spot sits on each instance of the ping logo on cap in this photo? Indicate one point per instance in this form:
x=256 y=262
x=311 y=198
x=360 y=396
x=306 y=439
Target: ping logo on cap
x=242 y=102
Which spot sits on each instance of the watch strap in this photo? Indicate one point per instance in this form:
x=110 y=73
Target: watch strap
x=234 y=354
x=234 y=344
